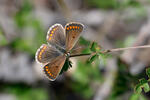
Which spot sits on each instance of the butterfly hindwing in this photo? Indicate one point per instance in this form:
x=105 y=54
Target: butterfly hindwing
x=56 y=36
x=73 y=31
x=53 y=69
x=46 y=53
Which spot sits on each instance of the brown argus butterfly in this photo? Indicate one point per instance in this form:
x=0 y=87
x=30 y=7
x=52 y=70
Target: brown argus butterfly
x=60 y=41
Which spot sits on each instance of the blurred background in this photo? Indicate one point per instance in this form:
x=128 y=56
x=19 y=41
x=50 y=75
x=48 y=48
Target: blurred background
x=110 y=23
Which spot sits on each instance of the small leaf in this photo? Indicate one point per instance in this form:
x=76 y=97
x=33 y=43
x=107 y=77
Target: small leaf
x=146 y=87
x=142 y=85
x=148 y=72
x=138 y=88
x=143 y=81
x=134 y=96
x=91 y=59
x=95 y=47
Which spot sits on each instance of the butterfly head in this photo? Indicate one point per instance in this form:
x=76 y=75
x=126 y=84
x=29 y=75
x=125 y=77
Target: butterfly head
x=67 y=54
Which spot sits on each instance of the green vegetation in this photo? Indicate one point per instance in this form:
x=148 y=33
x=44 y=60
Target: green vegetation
x=25 y=92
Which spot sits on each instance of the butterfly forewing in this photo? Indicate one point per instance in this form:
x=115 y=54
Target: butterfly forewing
x=73 y=31
x=53 y=69
x=46 y=53
x=56 y=36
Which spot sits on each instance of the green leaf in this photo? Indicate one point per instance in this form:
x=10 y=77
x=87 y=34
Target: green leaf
x=138 y=88
x=146 y=87
x=91 y=59
x=148 y=72
x=142 y=85
x=95 y=47
x=143 y=81
x=134 y=96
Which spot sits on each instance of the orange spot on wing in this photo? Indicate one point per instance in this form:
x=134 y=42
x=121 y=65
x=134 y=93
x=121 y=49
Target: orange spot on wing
x=54 y=28
x=50 y=73
x=46 y=67
x=40 y=53
x=40 y=57
x=49 y=38
x=52 y=32
x=70 y=27
x=42 y=50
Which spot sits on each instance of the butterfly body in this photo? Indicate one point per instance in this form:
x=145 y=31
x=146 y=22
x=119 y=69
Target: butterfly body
x=60 y=42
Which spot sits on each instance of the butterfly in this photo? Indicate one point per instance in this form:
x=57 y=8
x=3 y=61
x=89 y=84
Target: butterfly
x=60 y=42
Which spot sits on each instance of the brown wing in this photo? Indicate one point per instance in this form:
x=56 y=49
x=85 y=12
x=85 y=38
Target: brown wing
x=73 y=31
x=53 y=69
x=46 y=53
x=56 y=36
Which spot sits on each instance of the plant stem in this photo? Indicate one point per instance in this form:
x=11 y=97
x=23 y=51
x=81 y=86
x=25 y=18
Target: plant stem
x=127 y=48
x=112 y=50
x=76 y=55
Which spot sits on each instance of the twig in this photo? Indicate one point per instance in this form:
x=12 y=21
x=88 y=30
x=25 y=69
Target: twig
x=76 y=55
x=127 y=48
x=112 y=50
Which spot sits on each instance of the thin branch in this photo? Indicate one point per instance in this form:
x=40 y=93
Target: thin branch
x=76 y=55
x=127 y=48
x=111 y=50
